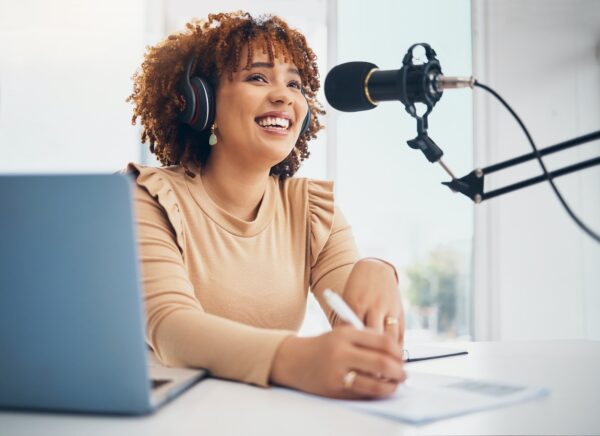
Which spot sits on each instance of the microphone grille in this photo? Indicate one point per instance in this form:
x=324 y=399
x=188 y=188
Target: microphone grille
x=345 y=86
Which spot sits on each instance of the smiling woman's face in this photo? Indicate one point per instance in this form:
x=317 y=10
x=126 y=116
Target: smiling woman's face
x=259 y=113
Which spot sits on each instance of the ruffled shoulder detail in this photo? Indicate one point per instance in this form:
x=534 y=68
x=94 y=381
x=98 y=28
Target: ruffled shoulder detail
x=159 y=186
x=320 y=211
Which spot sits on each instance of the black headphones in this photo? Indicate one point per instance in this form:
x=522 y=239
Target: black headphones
x=199 y=112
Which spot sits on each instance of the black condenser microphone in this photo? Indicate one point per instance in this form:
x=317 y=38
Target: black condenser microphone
x=359 y=86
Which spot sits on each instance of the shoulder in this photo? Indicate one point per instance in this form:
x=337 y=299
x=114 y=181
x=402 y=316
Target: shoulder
x=313 y=191
x=318 y=198
x=161 y=187
x=154 y=179
x=315 y=196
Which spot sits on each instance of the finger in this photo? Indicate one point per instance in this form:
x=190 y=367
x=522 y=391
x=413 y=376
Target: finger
x=395 y=329
x=374 y=320
x=393 y=326
x=400 y=315
x=367 y=386
x=392 y=329
x=374 y=341
x=377 y=364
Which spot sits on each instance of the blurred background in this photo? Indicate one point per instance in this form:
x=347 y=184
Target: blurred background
x=514 y=267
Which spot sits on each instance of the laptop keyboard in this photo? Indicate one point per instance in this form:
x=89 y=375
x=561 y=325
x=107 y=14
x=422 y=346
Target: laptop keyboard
x=157 y=383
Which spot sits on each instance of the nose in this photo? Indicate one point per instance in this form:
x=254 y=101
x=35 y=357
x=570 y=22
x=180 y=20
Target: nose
x=281 y=94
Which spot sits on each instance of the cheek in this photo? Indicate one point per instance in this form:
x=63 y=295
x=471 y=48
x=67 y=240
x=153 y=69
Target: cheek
x=230 y=120
x=303 y=109
x=234 y=112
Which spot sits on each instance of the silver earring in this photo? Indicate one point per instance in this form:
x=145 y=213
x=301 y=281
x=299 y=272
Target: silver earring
x=212 y=139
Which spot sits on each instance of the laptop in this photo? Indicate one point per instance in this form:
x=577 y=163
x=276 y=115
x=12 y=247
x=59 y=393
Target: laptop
x=71 y=308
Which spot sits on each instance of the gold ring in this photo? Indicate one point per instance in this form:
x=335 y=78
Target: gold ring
x=349 y=378
x=390 y=320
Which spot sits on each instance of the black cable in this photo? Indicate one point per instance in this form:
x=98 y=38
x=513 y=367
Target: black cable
x=583 y=227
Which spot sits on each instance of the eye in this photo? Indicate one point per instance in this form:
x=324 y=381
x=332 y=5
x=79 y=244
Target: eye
x=295 y=84
x=256 y=77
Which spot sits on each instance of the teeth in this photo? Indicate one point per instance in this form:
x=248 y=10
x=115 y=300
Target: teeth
x=274 y=122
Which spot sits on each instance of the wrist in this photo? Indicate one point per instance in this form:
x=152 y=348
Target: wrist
x=287 y=357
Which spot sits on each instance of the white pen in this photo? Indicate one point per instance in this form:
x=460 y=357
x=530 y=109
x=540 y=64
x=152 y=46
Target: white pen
x=339 y=306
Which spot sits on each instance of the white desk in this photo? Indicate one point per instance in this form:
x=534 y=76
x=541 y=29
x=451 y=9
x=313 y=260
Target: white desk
x=571 y=369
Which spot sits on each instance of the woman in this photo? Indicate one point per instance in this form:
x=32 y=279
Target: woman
x=230 y=242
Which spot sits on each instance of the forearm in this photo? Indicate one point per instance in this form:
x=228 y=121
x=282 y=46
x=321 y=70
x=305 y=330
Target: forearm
x=226 y=348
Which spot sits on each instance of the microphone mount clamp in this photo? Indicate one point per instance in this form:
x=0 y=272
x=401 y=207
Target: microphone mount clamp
x=418 y=82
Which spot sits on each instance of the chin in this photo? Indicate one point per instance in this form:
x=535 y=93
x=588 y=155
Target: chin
x=274 y=155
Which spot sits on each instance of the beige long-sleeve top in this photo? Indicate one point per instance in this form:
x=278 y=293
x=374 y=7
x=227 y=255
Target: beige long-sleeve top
x=222 y=293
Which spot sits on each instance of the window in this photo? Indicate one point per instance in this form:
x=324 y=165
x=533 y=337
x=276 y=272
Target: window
x=389 y=192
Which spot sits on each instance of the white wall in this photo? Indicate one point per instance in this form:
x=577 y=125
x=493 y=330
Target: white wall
x=536 y=274
x=65 y=70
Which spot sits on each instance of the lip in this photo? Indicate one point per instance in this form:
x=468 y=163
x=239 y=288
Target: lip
x=274 y=131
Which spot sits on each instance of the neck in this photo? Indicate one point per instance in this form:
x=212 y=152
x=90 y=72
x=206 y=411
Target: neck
x=233 y=187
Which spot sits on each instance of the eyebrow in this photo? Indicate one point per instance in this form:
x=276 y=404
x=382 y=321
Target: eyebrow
x=270 y=65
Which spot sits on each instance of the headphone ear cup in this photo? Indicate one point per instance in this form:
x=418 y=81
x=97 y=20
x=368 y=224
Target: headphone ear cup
x=189 y=96
x=204 y=97
x=306 y=122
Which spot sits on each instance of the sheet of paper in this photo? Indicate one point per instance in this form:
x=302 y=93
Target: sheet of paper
x=425 y=398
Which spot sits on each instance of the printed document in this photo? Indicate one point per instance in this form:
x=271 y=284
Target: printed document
x=425 y=398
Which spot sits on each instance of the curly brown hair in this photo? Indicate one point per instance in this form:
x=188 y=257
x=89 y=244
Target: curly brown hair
x=216 y=44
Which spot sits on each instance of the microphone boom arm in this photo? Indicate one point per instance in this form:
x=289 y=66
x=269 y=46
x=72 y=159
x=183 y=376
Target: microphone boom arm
x=472 y=185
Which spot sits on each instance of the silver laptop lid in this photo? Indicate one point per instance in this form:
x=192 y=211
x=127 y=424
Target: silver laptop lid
x=71 y=322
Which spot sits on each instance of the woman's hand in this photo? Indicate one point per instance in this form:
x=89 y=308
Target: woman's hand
x=372 y=293
x=321 y=365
